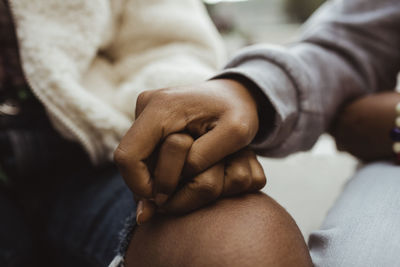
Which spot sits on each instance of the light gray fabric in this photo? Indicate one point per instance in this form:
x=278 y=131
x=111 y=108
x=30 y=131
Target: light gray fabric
x=349 y=48
x=363 y=227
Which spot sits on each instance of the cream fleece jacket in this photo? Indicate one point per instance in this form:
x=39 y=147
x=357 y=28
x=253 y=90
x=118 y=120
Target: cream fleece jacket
x=87 y=61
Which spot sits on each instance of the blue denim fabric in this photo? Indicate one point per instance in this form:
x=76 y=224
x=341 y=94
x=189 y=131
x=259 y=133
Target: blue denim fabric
x=16 y=247
x=362 y=227
x=74 y=220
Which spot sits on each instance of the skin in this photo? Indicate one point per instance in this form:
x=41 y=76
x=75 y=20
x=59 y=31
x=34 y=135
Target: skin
x=186 y=150
x=193 y=136
x=363 y=127
x=237 y=174
x=189 y=144
x=249 y=230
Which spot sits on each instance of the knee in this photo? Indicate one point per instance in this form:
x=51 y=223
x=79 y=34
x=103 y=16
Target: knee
x=251 y=230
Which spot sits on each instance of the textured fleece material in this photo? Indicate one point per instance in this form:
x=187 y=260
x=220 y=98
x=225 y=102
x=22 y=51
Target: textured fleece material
x=349 y=48
x=87 y=61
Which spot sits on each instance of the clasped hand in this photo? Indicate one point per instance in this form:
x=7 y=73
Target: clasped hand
x=187 y=147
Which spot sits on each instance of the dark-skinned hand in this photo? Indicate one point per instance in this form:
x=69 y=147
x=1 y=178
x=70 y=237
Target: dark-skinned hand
x=363 y=126
x=191 y=130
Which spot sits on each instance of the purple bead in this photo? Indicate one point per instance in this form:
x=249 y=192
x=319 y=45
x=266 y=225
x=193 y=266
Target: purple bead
x=395 y=134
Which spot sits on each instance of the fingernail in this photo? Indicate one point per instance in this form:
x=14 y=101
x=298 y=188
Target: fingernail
x=160 y=199
x=139 y=211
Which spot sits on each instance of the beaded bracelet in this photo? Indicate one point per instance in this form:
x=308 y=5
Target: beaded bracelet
x=395 y=134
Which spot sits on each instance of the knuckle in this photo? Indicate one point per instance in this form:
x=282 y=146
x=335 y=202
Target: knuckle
x=196 y=162
x=143 y=98
x=156 y=97
x=179 y=141
x=207 y=189
x=141 y=102
x=241 y=131
x=120 y=157
x=241 y=177
x=259 y=182
x=186 y=140
x=161 y=95
x=240 y=171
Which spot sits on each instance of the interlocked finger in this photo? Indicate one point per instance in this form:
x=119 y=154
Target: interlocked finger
x=171 y=159
x=243 y=173
x=202 y=190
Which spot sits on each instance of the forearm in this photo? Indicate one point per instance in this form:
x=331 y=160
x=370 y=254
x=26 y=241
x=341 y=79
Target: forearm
x=363 y=127
x=348 y=50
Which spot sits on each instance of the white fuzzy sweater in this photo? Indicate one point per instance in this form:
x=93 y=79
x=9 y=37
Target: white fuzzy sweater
x=87 y=61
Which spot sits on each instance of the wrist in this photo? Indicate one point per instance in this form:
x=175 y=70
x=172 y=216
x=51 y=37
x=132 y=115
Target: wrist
x=265 y=110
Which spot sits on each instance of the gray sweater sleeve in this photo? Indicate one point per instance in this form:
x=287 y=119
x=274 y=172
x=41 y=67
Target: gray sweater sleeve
x=349 y=48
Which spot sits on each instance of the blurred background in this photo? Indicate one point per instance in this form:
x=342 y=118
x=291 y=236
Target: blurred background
x=244 y=22
x=306 y=184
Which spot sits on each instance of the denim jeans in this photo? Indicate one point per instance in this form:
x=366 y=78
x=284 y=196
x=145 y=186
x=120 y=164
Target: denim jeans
x=363 y=226
x=66 y=220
